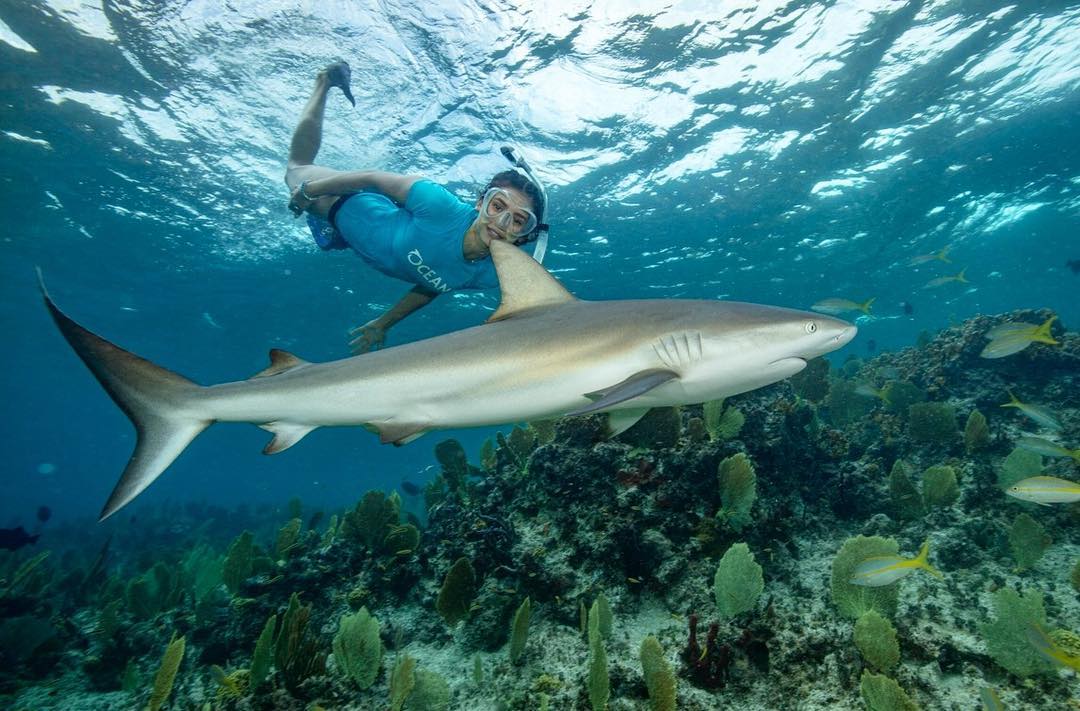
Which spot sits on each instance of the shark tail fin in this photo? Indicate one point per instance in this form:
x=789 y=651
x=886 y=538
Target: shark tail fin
x=160 y=403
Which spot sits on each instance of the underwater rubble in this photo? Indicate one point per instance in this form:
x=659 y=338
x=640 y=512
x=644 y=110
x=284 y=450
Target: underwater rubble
x=703 y=559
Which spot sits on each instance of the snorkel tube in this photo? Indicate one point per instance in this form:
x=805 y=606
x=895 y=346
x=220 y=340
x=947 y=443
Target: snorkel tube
x=518 y=161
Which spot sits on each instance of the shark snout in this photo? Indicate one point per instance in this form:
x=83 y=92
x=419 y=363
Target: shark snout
x=844 y=337
x=836 y=335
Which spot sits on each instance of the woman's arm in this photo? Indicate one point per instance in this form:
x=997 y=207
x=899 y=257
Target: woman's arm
x=372 y=334
x=393 y=185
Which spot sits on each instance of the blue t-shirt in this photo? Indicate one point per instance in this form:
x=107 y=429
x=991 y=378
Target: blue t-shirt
x=420 y=242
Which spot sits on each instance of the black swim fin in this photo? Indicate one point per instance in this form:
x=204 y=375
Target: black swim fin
x=340 y=75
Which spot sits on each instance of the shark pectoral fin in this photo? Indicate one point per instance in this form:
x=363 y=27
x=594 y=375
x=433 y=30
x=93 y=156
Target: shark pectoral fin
x=524 y=283
x=280 y=362
x=398 y=433
x=286 y=434
x=620 y=421
x=637 y=384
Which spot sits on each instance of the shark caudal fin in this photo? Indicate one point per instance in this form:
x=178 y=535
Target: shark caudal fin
x=158 y=402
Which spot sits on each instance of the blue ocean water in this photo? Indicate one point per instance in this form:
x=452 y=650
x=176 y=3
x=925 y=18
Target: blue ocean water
x=773 y=152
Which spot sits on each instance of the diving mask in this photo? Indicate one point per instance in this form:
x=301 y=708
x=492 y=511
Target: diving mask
x=501 y=209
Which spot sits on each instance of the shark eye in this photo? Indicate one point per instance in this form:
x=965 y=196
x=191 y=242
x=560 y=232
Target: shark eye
x=811 y=327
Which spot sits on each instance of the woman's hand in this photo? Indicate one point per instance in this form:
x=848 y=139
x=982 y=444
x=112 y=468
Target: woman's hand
x=369 y=337
x=299 y=201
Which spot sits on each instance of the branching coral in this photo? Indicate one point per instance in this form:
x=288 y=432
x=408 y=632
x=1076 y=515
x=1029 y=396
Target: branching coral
x=707 y=665
x=296 y=650
x=372 y=519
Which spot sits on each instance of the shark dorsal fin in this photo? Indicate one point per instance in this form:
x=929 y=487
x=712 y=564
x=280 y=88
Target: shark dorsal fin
x=523 y=282
x=280 y=362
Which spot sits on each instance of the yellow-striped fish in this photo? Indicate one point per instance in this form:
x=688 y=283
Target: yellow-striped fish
x=870 y=391
x=1050 y=650
x=1045 y=490
x=1015 y=336
x=1045 y=447
x=990 y=699
x=839 y=306
x=887 y=569
x=942 y=255
x=1039 y=414
x=946 y=279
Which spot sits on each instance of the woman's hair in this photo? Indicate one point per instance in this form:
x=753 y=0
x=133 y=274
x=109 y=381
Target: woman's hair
x=514 y=179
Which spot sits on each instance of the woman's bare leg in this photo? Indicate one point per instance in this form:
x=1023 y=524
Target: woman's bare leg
x=306 y=141
x=307 y=138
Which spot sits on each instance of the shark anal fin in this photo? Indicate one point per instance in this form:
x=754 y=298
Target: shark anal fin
x=286 y=434
x=620 y=421
x=280 y=362
x=398 y=433
x=524 y=284
x=637 y=384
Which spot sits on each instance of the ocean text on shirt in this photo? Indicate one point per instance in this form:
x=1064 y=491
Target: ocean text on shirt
x=427 y=273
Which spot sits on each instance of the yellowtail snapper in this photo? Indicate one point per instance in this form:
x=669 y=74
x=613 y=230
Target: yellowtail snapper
x=1039 y=414
x=990 y=699
x=1045 y=447
x=1013 y=337
x=838 y=306
x=941 y=255
x=1045 y=490
x=1049 y=649
x=870 y=391
x=940 y=281
x=887 y=569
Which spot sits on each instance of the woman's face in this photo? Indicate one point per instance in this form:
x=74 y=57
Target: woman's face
x=504 y=213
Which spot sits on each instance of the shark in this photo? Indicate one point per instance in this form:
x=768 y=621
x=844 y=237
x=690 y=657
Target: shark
x=543 y=353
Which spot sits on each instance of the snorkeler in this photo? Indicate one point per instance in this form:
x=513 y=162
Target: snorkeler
x=405 y=226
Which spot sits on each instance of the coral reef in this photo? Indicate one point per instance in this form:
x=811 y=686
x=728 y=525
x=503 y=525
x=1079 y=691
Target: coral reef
x=562 y=568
